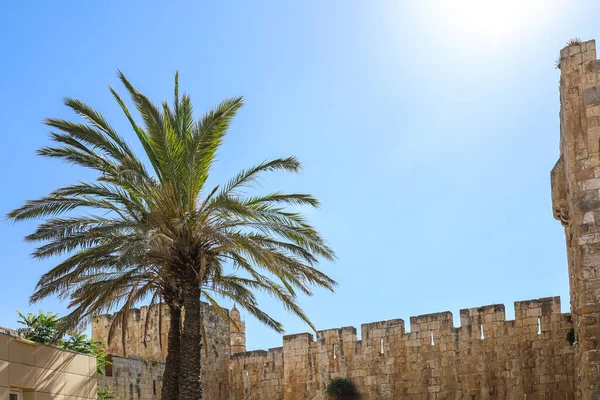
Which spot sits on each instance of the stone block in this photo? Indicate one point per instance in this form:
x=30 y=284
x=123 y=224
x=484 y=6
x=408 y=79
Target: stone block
x=590 y=45
x=49 y=396
x=77 y=364
x=21 y=351
x=592 y=111
x=21 y=375
x=573 y=50
x=4 y=375
x=48 y=357
x=589 y=56
x=49 y=381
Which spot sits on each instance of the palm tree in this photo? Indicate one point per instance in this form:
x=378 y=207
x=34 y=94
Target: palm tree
x=92 y=293
x=168 y=223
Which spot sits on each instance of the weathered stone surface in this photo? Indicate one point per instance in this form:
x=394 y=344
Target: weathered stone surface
x=134 y=378
x=575 y=189
x=528 y=356
x=147 y=344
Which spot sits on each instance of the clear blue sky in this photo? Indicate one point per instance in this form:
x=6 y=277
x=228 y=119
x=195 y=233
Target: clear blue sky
x=427 y=129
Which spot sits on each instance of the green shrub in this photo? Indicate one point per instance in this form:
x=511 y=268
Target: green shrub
x=39 y=328
x=342 y=389
x=557 y=63
x=106 y=393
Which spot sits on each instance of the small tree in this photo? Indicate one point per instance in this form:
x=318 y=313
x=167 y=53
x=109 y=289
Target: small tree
x=342 y=389
x=39 y=328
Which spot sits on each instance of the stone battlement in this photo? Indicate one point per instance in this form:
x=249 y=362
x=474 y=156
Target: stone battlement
x=527 y=313
x=148 y=339
x=486 y=354
x=147 y=343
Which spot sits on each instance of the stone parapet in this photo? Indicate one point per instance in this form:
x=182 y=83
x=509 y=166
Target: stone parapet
x=146 y=339
x=486 y=357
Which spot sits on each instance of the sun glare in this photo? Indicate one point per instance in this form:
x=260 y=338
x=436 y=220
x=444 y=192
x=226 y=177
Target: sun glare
x=496 y=20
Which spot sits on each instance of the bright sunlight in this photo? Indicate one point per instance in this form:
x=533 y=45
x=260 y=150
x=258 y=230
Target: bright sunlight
x=500 y=21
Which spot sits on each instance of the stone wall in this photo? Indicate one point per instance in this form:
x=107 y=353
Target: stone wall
x=134 y=378
x=150 y=345
x=486 y=358
x=576 y=203
x=147 y=349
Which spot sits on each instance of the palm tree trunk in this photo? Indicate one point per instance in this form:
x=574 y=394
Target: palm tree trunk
x=190 y=380
x=170 y=389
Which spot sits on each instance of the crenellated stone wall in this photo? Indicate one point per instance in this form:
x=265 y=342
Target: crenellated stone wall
x=487 y=357
x=147 y=344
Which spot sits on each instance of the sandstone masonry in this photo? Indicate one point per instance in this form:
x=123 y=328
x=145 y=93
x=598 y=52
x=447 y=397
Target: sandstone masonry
x=137 y=372
x=134 y=378
x=576 y=203
x=486 y=358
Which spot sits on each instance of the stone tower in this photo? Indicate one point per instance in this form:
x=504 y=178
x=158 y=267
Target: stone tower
x=237 y=332
x=576 y=203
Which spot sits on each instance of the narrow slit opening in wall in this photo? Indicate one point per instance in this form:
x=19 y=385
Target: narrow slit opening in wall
x=154 y=387
x=432 y=341
x=539 y=326
x=381 y=350
x=334 y=351
x=481 y=332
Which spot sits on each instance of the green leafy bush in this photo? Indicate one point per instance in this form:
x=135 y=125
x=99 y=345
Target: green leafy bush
x=39 y=328
x=342 y=389
x=106 y=393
